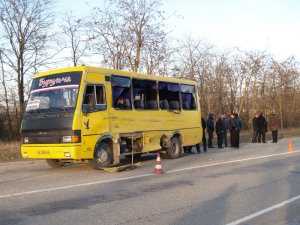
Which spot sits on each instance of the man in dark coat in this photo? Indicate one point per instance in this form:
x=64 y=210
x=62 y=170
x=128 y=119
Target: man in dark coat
x=254 y=126
x=226 y=119
x=262 y=128
x=235 y=126
x=203 y=123
x=210 y=127
x=220 y=130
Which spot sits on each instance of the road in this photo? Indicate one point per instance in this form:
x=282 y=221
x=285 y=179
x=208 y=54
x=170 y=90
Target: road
x=257 y=184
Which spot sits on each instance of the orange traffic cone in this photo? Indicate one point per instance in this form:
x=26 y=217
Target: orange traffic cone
x=290 y=146
x=158 y=167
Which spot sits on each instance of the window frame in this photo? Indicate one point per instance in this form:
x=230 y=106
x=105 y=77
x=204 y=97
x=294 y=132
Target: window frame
x=157 y=94
x=194 y=94
x=179 y=96
x=130 y=90
x=95 y=95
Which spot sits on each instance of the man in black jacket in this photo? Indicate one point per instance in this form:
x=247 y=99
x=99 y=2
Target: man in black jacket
x=226 y=119
x=235 y=126
x=220 y=130
x=210 y=126
x=262 y=128
x=254 y=126
x=204 y=136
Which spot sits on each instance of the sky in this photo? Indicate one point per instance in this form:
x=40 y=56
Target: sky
x=264 y=25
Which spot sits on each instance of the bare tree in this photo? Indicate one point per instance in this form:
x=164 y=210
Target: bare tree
x=25 y=27
x=123 y=29
x=157 y=55
x=76 y=37
x=6 y=98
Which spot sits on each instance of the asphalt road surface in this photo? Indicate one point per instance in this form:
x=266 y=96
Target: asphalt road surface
x=257 y=184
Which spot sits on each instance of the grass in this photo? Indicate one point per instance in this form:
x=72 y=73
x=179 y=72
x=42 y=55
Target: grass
x=10 y=151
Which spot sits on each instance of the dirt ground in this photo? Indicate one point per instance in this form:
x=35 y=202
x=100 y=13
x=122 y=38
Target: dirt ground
x=10 y=151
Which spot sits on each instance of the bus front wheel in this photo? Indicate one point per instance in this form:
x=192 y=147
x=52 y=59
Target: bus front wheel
x=175 y=148
x=103 y=156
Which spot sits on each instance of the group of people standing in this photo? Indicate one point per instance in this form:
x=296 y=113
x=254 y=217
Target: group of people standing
x=224 y=124
x=260 y=127
x=232 y=124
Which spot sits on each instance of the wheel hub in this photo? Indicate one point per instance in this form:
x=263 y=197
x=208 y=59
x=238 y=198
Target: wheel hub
x=102 y=156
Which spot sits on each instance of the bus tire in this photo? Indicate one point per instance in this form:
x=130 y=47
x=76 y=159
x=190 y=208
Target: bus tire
x=55 y=163
x=103 y=156
x=175 y=149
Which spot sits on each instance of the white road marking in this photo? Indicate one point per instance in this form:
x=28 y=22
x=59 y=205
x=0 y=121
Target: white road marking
x=140 y=176
x=74 y=186
x=230 y=162
x=264 y=211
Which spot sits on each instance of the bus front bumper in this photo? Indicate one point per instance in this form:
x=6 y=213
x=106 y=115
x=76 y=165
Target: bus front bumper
x=51 y=151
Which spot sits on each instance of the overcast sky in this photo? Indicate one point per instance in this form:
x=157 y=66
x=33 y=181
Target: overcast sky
x=271 y=25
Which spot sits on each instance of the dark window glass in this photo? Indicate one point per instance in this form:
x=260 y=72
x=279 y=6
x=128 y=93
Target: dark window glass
x=100 y=96
x=121 y=92
x=188 y=97
x=144 y=94
x=169 y=96
x=89 y=97
x=95 y=97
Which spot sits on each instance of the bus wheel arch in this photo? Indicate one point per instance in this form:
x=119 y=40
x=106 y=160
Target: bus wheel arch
x=165 y=141
x=174 y=148
x=103 y=153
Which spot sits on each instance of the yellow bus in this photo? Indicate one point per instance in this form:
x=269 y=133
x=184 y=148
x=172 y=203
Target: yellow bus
x=102 y=115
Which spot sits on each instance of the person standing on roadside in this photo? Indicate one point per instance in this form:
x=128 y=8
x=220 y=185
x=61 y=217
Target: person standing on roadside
x=254 y=126
x=274 y=124
x=220 y=130
x=203 y=123
x=262 y=128
x=226 y=124
x=210 y=127
x=235 y=127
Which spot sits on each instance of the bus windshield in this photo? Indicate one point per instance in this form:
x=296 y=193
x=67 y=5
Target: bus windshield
x=54 y=99
x=54 y=93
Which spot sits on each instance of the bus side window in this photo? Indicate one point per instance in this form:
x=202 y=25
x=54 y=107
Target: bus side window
x=121 y=92
x=169 y=96
x=89 y=97
x=188 y=97
x=100 y=97
x=94 y=97
x=144 y=94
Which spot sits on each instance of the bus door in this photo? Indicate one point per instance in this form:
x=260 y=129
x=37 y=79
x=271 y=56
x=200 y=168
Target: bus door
x=94 y=121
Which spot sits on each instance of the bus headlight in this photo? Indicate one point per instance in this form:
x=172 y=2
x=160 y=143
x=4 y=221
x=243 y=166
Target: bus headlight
x=26 y=140
x=67 y=139
x=75 y=138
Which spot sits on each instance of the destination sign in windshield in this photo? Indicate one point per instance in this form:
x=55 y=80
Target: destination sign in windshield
x=57 y=80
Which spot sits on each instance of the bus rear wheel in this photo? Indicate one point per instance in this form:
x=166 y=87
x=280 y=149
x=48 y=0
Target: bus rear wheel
x=55 y=163
x=175 y=148
x=103 y=156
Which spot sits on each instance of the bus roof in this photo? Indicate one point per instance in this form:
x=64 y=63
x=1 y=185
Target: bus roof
x=91 y=69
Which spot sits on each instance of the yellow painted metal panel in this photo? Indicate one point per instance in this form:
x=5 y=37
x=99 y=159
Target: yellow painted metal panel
x=51 y=151
x=152 y=123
